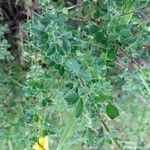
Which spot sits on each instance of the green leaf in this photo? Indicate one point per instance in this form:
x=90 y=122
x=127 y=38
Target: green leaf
x=65 y=10
x=68 y=130
x=85 y=75
x=96 y=14
x=83 y=90
x=147 y=28
x=93 y=29
x=102 y=97
x=44 y=102
x=110 y=63
x=112 y=54
x=112 y=111
x=72 y=98
x=79 y=108
x=69 y=85
x=98 y=37
x=60 y=69
x=57 y=58
x=35 y=117
x=100 y=132
x=90 y=135
x=73 y=65
x=67 y=35
x=52 y=49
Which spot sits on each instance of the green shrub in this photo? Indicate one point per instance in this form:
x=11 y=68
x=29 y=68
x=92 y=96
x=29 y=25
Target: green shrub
x=85 y=71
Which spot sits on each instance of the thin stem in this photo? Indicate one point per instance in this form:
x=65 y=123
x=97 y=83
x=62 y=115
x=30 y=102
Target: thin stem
x=133 y=12
x=64 y=139
x=118 y=146
x=8 y=77
x=137 y=62
x=120 y=109
x=10 y=145
x=145 y=83
x=74 y=6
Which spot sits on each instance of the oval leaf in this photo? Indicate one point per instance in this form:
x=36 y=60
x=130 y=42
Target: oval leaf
x=112 y=54
x=103 y=97
x=79 y=108
x=112 y=111
x=72 y=98
x=72 y=65
x=93 y=29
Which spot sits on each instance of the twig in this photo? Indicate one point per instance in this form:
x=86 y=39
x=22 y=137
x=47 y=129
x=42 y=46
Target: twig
x=118 y=146
x=132 y=12
x=133 y=59
x=82 y=19
x=11 y=78
x=10 y=145
x=66 y=136
x=145 y=84
x=74 y=6
x=137 y=62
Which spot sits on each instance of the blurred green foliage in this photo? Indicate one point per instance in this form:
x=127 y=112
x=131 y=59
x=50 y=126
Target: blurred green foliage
x=88 y=82
x=4 y=54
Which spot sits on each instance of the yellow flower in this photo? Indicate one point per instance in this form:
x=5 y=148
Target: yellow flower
x=41 y=144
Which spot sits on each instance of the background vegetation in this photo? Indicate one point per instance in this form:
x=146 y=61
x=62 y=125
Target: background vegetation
x=77 y=71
